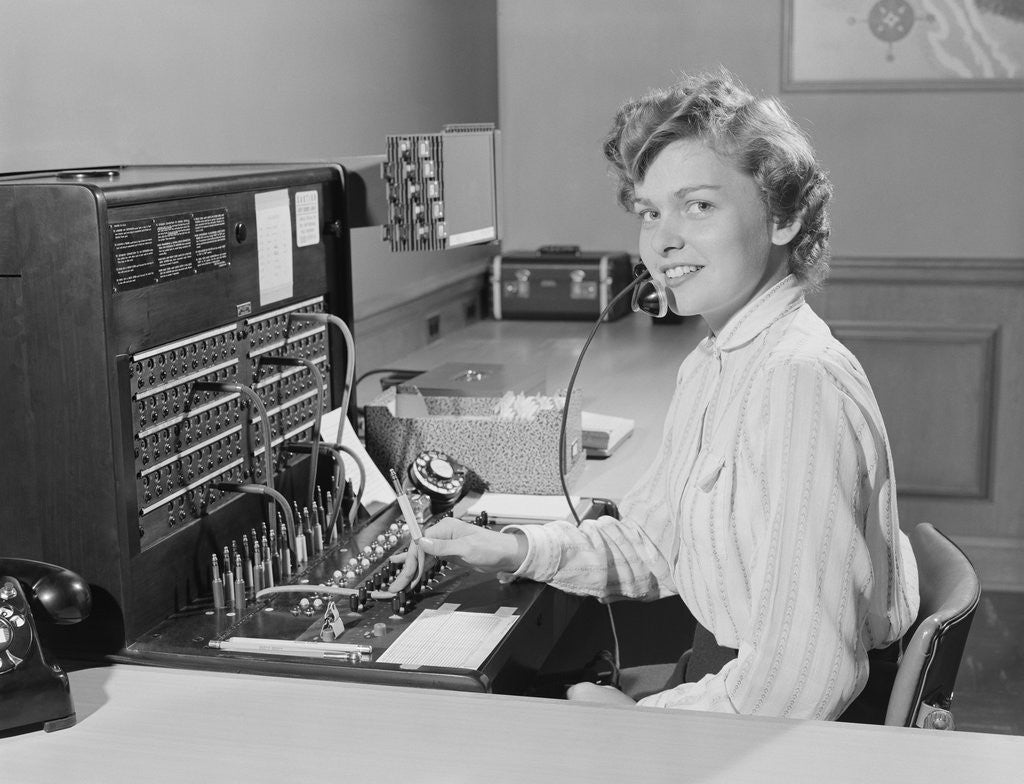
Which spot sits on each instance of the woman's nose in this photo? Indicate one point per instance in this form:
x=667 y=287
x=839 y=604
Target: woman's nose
x=669 y=237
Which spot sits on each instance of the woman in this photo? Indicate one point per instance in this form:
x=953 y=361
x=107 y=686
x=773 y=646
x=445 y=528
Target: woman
x=770 y=508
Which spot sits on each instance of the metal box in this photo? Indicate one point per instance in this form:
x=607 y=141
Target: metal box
x=559 y=283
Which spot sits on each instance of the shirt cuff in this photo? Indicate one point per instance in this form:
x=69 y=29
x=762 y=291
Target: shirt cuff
x=541 y=560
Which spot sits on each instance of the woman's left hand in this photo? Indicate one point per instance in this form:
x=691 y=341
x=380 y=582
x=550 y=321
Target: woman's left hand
x=591 y=692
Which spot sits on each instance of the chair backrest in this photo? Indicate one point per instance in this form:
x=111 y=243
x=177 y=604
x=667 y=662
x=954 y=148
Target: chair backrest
x=922 y=693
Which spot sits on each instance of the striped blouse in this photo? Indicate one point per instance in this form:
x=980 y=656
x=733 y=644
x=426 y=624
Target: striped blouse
x=770 y=509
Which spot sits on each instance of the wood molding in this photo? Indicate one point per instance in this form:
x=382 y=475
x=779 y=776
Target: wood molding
x=930 y=271
x=922 y=332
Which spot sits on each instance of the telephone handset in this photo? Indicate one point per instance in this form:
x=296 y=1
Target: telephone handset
x=34 y=691
x=439 y=477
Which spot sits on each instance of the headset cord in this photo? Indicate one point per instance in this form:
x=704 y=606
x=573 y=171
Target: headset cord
x=568 y=393
x=561 y=436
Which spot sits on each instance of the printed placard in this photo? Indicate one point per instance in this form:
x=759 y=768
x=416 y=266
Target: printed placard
x=274 y=245
x=307 y=218
x=155 y=250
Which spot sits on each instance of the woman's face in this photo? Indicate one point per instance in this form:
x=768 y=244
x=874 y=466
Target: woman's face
x=704 y=233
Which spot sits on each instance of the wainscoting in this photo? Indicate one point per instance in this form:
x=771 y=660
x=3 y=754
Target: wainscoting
x=942 y=341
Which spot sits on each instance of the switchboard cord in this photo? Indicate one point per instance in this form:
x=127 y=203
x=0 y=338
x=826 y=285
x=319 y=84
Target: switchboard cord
x=274 y=495
x=350 y=358
x=401 y=372
x=318 y=378
x=353 y=515
x=322 y=590
x=394 y=376
x=241 y=389
x=306 y=446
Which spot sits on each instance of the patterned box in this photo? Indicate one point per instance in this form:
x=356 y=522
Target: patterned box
x=504 y=455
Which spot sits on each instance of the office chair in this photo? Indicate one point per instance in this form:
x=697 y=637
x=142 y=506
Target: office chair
x=922 y=690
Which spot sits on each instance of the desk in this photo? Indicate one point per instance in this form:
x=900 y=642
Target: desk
x=629 y=370
x=165 y=725
x=155 y=725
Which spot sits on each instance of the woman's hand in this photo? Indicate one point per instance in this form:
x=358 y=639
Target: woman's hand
x=479 y=548
x=591 y=692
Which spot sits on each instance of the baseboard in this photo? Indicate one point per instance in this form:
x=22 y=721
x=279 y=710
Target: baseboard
x=998 y=561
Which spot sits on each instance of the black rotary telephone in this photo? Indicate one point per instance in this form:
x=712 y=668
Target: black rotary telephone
x=34 y=691
x=438 y=476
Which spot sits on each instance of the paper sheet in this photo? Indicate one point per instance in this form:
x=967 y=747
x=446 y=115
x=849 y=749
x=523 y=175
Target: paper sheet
x=449 y=639
x=378 y=493
x=274 y=245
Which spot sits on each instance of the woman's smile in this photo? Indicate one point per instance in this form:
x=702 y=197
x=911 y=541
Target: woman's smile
x=680 y=272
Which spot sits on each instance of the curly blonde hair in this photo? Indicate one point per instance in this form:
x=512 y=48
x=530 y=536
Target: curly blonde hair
x=757 y=134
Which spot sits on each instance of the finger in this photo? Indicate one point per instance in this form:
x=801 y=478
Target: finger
x=402 y=581
x=449 y=528
x=420 y=560
x=577 y=692
x=410 y=569
x=442 y=548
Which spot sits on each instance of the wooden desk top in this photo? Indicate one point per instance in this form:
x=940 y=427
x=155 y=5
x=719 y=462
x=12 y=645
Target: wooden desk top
x=162 y=725
x=629 y=370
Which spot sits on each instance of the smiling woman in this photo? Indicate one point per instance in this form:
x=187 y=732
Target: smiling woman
x=755 y=137
x=770 y=507
x=708 y=241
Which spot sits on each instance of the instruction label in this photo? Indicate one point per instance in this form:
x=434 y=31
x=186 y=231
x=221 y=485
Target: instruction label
x=154 y=250
x=307 y=218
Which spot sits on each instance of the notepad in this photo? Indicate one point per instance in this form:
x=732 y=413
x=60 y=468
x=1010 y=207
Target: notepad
x=602 y=433
x=449 y=639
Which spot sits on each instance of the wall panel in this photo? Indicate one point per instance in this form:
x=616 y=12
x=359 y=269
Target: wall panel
x=935 y=384
x=940 y=340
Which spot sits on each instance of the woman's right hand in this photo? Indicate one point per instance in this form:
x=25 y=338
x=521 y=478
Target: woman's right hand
x=479 y=548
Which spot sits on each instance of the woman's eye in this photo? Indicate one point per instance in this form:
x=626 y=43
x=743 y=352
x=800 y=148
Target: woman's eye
x=699 y=207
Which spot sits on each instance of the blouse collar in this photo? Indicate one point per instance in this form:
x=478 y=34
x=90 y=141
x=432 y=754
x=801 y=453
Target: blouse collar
x=757 y=315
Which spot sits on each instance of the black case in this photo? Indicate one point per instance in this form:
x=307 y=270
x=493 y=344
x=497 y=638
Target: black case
x=559 y=282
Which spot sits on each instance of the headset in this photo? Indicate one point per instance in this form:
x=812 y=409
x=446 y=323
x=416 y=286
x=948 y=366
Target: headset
x=648 y=294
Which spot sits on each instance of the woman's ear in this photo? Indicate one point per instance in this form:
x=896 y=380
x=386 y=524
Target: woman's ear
x=783 y=235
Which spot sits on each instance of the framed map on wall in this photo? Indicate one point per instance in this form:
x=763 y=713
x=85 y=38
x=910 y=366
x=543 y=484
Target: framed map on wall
x=903 y=44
